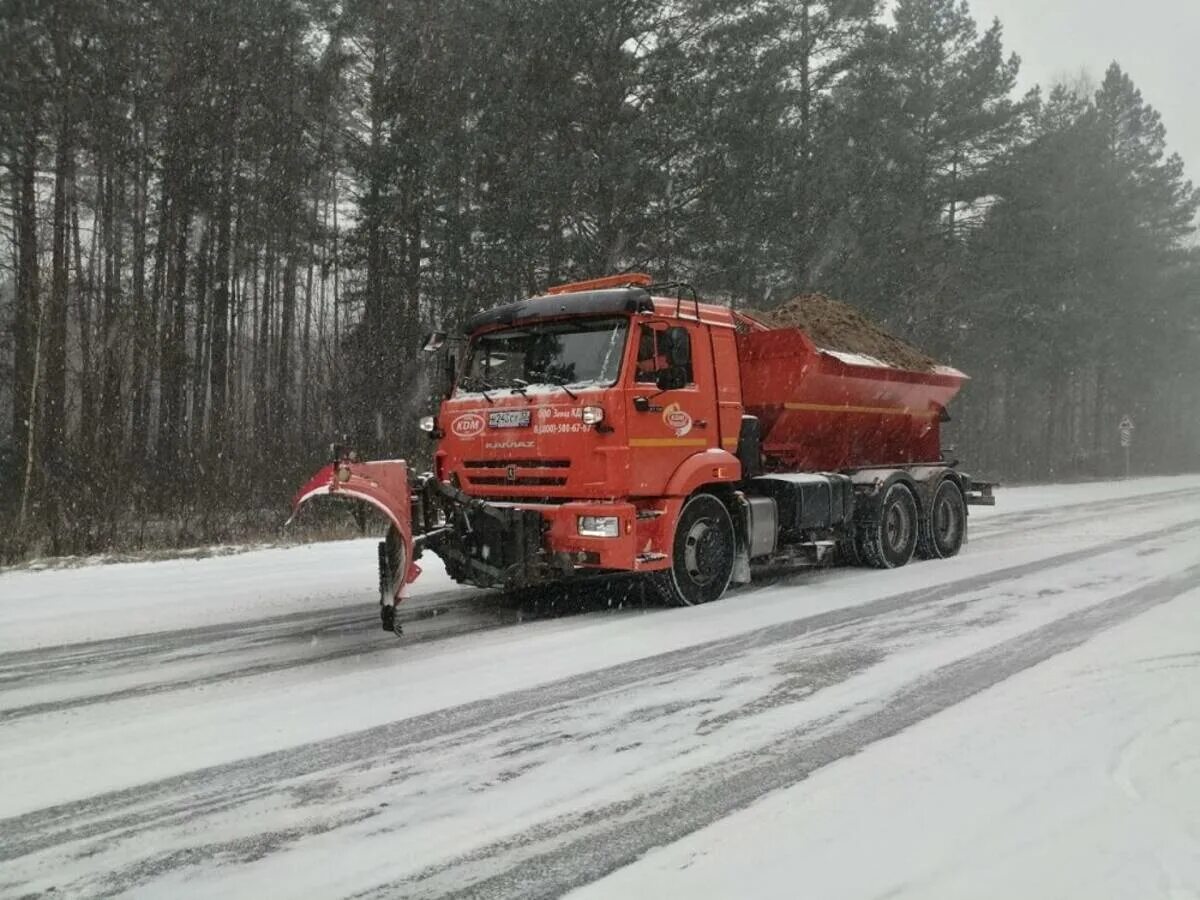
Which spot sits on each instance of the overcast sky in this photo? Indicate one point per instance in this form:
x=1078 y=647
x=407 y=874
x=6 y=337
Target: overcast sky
x=1156 y=41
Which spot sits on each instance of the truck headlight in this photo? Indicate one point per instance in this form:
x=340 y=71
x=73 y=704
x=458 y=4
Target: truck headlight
x=593 y=415
x=599 y=526
x=426 y=424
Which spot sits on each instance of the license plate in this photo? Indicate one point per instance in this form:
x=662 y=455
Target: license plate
x=508 y=418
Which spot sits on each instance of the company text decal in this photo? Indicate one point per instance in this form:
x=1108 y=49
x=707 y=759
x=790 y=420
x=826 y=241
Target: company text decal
x=467 y=425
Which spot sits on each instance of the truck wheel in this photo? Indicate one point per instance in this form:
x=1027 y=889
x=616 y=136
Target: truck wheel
x=703 y=554
x=891 y=541
x=945 y=529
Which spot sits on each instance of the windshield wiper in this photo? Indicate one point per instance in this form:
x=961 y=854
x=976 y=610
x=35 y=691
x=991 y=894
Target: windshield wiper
x=558 y=382
x=520 y=386
x=484 y=386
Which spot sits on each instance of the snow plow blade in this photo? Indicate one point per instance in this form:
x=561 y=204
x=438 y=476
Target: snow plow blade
x=384 y=485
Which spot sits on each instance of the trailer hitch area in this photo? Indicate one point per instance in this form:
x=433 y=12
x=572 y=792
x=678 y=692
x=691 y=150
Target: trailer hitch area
x=980 y=493
x=384 y=485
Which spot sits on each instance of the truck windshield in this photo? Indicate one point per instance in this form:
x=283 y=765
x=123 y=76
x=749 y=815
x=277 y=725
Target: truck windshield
x=573 y=352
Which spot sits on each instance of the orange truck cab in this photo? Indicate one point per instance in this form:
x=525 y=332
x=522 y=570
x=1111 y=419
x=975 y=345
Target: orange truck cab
x=608 y=426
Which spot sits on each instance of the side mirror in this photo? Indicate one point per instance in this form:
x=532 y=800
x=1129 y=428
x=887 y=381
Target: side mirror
x=434 y=341
x=671 y=379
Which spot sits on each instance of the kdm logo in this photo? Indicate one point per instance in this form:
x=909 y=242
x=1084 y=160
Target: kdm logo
x=467 y=425
x=677 y=420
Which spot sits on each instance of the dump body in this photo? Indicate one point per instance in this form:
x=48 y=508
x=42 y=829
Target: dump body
x=825 y=411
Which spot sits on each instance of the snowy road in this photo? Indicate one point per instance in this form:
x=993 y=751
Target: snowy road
x=239 y=726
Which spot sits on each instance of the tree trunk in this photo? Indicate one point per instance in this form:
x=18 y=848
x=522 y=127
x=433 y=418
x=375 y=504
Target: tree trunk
x=85 y=285
x=141 y=315
x=335 y=354
x=201 y=329
x=306 y=338
x=806 y=49
x=262 y=355
x=153 y=354
x=27 y=307
x=287 y=323
x=112 y=349
x=219 y=341
x=55 y=413
x=174 y=357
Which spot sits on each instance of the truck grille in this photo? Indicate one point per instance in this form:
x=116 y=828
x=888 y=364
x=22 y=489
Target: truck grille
x=517 y=472
x=539 y=480
x=517 y=463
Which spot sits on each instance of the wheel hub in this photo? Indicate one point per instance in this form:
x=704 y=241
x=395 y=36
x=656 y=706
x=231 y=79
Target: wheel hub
x=702 y=550
x=897 y=526
x=945 y=521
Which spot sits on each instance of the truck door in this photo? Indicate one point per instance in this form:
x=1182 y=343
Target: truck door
x=672 y=409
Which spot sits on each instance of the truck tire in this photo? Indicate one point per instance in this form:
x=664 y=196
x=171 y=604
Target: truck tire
x=703 y=553
x=890 y=541
x=945 y=528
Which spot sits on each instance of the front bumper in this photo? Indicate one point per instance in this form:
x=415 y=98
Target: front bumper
x=492 y=543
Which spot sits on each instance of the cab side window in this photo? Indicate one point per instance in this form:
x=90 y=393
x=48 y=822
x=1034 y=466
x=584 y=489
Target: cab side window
x=647 y=360
x=661 y=350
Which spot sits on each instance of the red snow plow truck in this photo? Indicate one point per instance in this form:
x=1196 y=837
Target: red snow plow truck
x=619 y=426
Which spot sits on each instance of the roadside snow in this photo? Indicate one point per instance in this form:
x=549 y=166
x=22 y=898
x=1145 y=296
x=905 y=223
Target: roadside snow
x=1025 y=497
x=1077 y=778
x=94 y=602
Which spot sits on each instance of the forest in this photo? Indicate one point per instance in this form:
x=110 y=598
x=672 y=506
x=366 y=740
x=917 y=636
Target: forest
x=225 y=226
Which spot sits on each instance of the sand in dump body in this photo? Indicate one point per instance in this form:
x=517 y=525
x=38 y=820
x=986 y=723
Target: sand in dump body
x=833 y=325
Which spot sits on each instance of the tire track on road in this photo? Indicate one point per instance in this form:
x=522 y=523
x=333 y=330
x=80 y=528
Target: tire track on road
x=61 y=662
x=195 y=792
x=462 y=612
x=280 y=628
x=358 y=633
x=1069 y=514
x=551 y=859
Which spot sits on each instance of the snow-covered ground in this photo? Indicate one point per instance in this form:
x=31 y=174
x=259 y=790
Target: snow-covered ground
x=1022 y=720
x=90 y=603
x=1079 y=777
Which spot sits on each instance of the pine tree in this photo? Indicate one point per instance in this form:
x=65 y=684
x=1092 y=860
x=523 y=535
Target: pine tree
x=926 y=116
x=1082 y=279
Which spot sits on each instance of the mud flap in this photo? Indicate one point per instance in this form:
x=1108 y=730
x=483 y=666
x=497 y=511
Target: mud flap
x=741 y=564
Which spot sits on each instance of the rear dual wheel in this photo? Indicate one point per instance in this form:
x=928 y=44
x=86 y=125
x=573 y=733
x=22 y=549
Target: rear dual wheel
x=890 y=540
x=945 y=528
x=703 y=554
